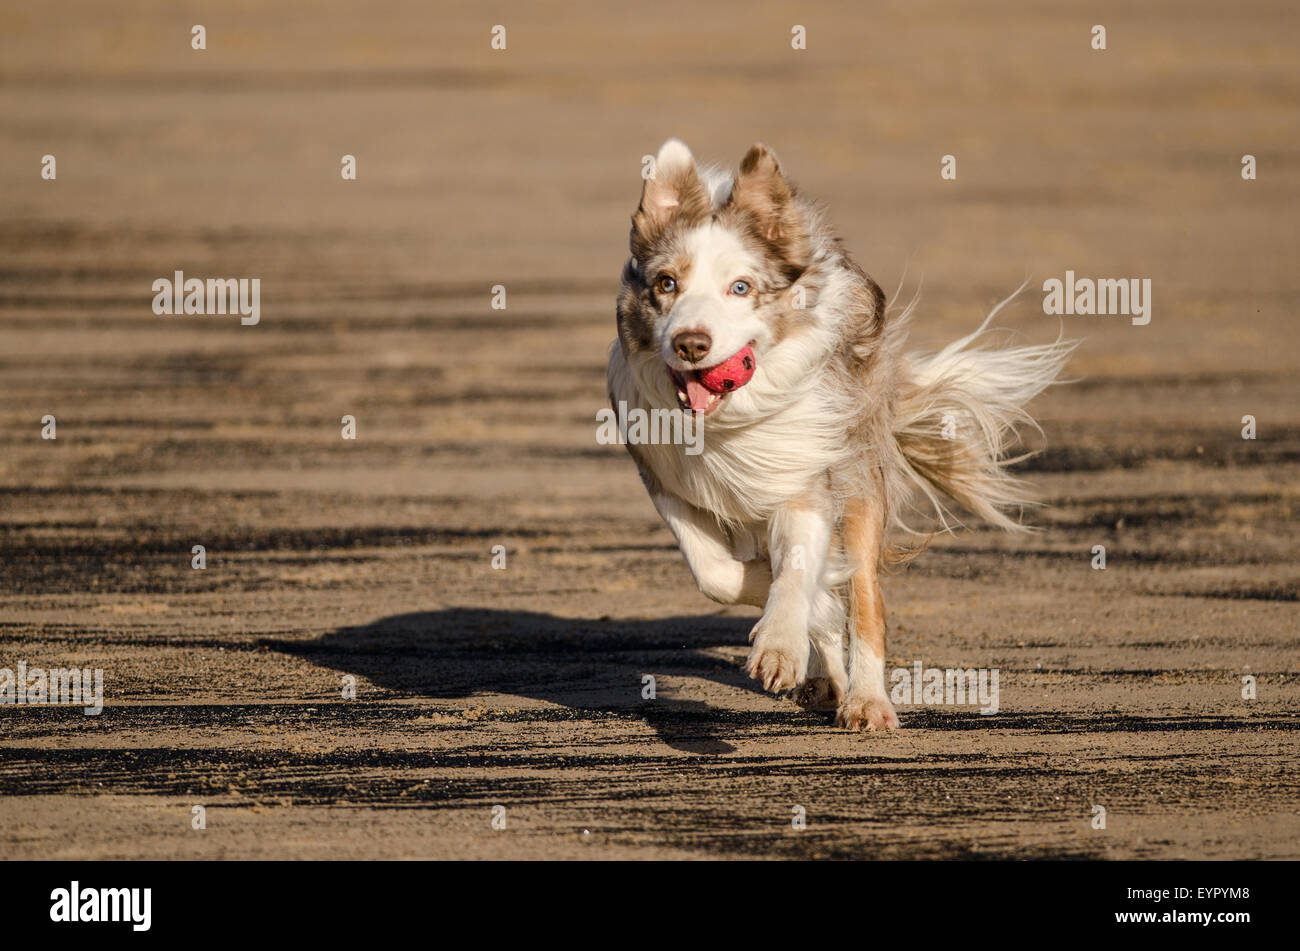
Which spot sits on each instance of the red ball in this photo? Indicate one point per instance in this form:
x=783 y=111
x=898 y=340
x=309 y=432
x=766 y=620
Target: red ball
x=731 y=374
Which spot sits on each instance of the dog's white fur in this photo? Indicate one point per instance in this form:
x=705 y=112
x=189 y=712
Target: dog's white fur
x=757 y=512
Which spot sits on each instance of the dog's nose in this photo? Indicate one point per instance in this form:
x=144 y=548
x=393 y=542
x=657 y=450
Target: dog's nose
x=692 y=345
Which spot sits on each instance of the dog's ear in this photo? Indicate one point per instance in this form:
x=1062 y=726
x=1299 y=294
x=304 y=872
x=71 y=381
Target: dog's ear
x=672 y=188
x=761 y=189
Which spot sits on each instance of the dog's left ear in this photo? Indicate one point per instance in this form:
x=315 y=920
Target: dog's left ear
x=761 y=189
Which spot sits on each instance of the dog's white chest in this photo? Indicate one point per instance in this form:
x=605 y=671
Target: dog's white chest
x=744 y=475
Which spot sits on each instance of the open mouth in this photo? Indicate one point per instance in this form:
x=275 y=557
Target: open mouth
x=703 y=391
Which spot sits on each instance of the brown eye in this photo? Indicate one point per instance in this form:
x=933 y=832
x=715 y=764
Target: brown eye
x=666 y=285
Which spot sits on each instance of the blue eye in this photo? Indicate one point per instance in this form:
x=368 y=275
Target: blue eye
x=740 y=288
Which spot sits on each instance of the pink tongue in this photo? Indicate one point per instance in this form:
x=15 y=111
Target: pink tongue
x=697 y=394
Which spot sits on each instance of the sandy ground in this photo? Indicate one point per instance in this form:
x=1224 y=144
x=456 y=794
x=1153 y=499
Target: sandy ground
x=522 y=687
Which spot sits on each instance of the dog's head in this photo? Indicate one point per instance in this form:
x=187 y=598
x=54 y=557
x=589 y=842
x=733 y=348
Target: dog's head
x=712 y=290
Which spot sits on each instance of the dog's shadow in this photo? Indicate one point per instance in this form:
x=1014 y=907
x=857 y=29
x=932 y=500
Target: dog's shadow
x=578 y=664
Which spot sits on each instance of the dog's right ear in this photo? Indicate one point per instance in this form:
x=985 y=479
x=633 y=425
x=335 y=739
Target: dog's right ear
x=672 y=188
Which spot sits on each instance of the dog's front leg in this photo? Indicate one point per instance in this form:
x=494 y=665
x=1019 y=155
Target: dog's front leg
x=707 y=549
x=798 y=537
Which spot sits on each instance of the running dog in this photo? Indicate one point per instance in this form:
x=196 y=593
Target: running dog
x=741 y=306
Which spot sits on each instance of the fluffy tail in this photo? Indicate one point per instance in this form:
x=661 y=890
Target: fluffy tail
x=957 y=420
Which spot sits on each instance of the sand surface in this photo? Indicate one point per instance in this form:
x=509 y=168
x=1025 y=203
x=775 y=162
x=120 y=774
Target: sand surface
x=476 y=427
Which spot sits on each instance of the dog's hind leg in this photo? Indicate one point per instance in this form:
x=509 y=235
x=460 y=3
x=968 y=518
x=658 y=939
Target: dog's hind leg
x=825 y=687
x=866 y=705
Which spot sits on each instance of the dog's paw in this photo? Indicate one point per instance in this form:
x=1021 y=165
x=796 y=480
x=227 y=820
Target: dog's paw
x=776 y=668
x=866 y=713
x=819 y=694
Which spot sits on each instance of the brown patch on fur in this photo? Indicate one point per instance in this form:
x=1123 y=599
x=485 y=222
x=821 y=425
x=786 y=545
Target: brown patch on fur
x=763 y=202
x=634 y=311
x=814 y=500
x=863 y=529
x=679 y=264
x=864 y=338
x=640 y=304
x=868 y=361
x=674 y=196
x=635 y=324
x=790 y=320
x=788 y=323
